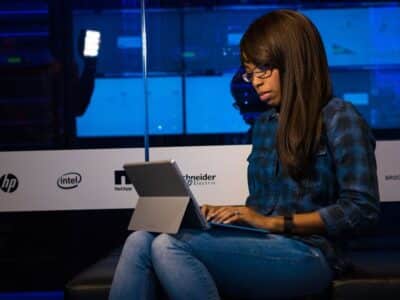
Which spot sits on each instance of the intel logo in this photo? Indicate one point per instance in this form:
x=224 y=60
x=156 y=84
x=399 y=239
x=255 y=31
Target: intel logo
x=69 y=181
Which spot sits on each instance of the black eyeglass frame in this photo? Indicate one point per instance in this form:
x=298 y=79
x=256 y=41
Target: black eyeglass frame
x=264 y=71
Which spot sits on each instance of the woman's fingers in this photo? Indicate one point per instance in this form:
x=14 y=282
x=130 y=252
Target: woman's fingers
x=215 y=213
x=225 y=215
x=231 y=217
x=222 y=215
x=208 y=210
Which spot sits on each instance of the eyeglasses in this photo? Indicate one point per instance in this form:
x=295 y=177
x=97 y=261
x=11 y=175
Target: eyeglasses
x=261 y=72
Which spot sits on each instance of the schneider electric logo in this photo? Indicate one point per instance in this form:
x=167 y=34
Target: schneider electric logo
x=201 y=179
x=69 y=180
x=121 y=181
x=8 y=183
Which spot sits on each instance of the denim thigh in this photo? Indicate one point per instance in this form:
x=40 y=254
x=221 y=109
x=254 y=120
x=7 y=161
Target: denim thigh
x=259 y=266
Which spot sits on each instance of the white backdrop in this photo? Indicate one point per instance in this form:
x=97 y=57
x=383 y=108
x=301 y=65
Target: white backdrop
x=94 y=179
x=39 y=172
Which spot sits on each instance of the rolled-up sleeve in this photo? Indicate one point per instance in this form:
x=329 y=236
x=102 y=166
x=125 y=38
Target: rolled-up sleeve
x=353 y=148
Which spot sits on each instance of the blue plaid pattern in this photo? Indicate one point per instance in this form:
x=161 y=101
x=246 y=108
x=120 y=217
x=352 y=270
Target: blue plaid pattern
x=344 y=186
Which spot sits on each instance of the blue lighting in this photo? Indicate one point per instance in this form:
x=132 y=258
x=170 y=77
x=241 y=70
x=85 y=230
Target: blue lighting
x=209 y=106
x=359 y=36
x=24 y=34
x=362 y=44
x=117 y=107
x=23 y=12
x=57 y=295
x=125 y=42
x=234 y=38
x=357 y=98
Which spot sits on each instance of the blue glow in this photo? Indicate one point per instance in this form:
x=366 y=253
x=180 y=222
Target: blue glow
x=234 y=38
x=357 y=98
x=126 y=42
x=23 y=34
x=117 y=107
x=359 y=36
x=362 y=45
x=23 y=12
x=385 y=112
x=32 y=296
x=209 y=106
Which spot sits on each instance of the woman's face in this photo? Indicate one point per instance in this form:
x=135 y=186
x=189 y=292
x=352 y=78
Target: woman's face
x=268 y=88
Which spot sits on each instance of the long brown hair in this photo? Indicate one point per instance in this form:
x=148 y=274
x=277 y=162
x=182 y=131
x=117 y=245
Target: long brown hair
x=290 y=42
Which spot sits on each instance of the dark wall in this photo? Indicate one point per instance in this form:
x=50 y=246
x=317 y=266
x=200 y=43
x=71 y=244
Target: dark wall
x=43 y=250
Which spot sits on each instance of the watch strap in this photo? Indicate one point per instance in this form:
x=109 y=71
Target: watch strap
x=288 y=223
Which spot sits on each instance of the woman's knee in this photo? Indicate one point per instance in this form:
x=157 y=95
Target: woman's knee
x=138 y=242
x=165 y=245
x=161 y=245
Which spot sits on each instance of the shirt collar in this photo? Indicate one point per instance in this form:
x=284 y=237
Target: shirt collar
x=270 y=114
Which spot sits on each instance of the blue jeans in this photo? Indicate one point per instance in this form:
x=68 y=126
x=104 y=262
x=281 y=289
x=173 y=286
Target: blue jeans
x=207 y=264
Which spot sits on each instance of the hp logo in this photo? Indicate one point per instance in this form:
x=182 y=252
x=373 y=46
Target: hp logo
x=8 y=183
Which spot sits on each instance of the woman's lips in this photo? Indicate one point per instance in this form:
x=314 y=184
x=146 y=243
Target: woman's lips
x=265 y=96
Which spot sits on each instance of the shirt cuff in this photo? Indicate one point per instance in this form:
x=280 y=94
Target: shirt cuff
x=334 y=219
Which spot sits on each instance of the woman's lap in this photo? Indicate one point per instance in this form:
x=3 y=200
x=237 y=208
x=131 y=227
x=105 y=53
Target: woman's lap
x=258 y=264
x=251 y=265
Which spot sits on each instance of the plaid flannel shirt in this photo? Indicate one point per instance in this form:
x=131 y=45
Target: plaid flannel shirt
x=344 y=187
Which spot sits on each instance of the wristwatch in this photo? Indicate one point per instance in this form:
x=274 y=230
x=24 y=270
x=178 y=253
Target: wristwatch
x=288 y=223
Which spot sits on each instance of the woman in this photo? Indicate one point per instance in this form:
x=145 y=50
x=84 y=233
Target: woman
x=312 y=184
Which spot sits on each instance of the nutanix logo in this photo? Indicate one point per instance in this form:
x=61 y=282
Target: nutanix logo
x=8 y=183
x=69 y=180
x=121 y=181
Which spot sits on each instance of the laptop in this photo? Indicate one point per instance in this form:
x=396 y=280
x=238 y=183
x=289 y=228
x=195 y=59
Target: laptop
x=166 y=202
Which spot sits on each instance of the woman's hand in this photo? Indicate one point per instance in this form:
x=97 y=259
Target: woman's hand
x=303 y=224
x=236 y=214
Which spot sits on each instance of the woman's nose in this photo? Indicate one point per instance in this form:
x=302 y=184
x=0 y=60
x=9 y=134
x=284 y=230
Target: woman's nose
x=256 y=82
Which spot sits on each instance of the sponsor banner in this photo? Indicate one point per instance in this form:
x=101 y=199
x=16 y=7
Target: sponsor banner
x=388 y=161
x=67 y=179
x=8 y=183
x=216 y=174
x=95 y=179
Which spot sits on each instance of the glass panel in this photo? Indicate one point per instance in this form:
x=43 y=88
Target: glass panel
x=116 y=106
x=361 y=40
x=363 y=48
x=193 y=53
x=209 y=106
x=211 y=56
